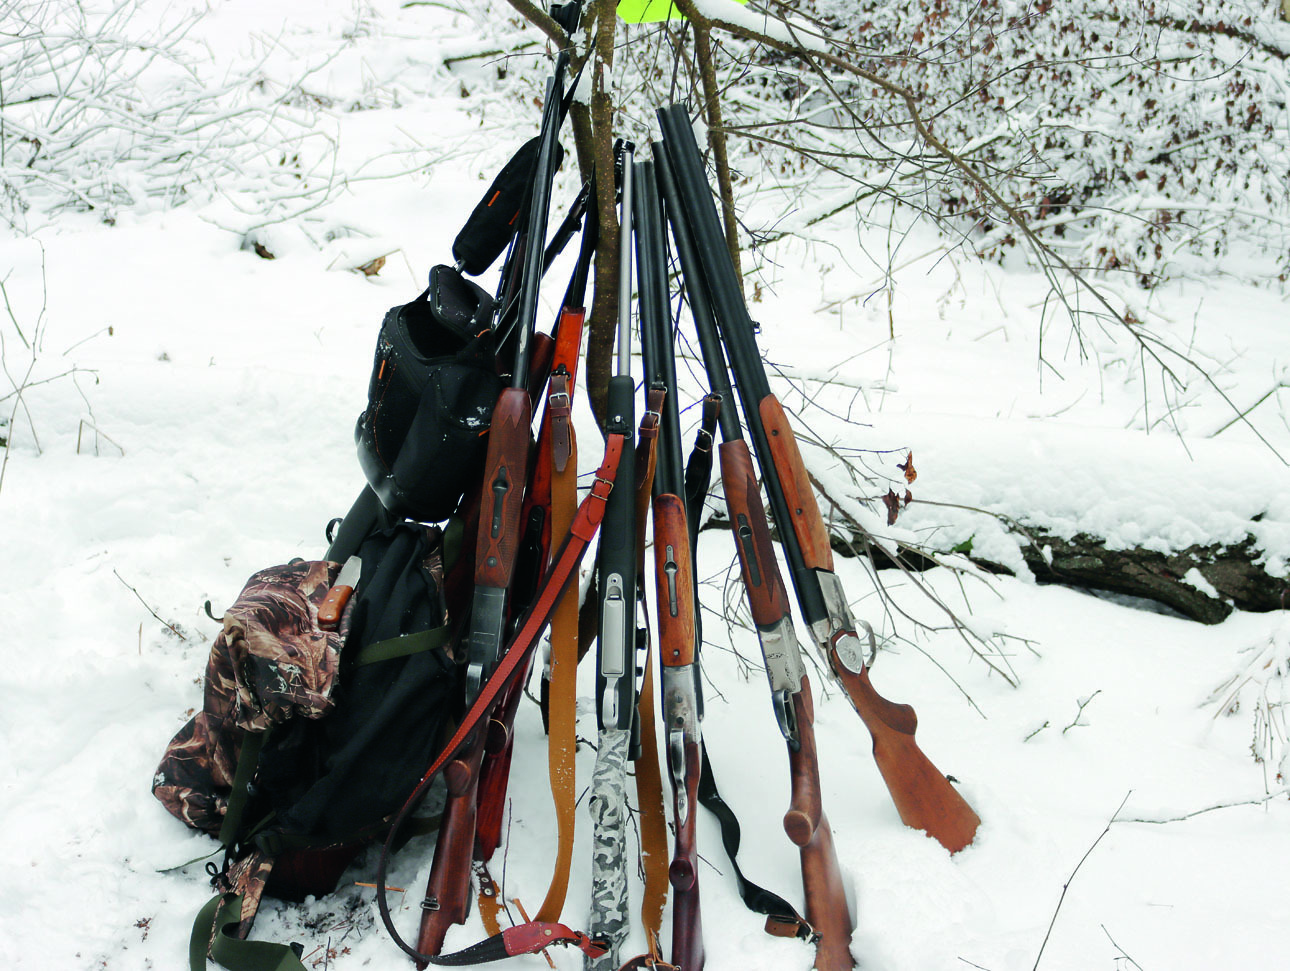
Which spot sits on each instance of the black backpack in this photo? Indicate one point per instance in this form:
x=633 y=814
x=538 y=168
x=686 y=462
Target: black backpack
x=310 y=740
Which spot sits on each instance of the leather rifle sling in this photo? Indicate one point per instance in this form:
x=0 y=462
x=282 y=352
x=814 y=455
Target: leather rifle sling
x=554 y=456
x=534 y=936
x=649 y=781
x=562 y=706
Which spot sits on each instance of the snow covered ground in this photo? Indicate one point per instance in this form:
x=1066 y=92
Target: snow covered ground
x=188 y=420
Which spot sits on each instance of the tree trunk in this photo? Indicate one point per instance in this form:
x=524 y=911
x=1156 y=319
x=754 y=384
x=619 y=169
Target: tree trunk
x=1229 y=577
x=602 y=319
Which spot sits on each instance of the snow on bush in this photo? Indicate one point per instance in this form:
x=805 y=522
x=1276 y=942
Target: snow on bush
x=106 y=107
x=1146 y=138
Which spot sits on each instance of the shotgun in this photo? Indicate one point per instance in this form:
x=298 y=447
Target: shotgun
x=924 y=797
x=616 y=631
x=827 y=910
x=537 y=935
x=498 y=535
x=557 y=368
x=674 y=582
x=548 y=509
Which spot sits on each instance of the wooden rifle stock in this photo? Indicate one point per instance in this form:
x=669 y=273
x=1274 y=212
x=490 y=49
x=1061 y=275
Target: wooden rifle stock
x=674 y=579
x=807 y=826
x=807 y=523
x=447 y=898
x=683 y=872
x=827 y=910
x=767 y=596
x=924 y=798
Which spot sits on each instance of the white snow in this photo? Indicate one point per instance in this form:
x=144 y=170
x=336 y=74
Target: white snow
x=188 y=420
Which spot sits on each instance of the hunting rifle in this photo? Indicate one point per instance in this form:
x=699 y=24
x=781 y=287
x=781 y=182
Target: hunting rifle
x=674 y=582
x=548 y=507
x=924 y=797
x=498 y=537
x=827 y=910
x=616 y=630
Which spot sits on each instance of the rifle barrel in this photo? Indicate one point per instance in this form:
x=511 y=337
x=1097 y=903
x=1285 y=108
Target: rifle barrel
x=924 y=799
x=539 y=211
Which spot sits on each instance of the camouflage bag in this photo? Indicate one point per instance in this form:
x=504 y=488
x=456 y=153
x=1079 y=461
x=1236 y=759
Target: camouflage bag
x=309 y=739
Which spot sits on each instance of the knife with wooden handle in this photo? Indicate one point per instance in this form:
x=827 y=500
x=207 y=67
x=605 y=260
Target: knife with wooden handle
x=334 y=604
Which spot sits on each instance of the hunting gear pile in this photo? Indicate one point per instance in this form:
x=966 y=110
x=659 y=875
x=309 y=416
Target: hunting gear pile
x=342 y=691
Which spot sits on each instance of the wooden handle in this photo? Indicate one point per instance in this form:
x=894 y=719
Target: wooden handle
x=808 y=525
x=767 y=597
x=333 y=606
x=495 y=770
x=924 y=797
x=675 y=580
x=502 y=496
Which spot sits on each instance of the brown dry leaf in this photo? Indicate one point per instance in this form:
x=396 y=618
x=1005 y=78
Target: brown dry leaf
x=374 y=267
x=892 y=503
x=909 y=497
x=908 y=468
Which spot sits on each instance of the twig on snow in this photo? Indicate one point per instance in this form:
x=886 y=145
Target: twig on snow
x=1261 y=800
x=1124 y=955
x=171 y=627
x=1082 y=705
x=1071 y=879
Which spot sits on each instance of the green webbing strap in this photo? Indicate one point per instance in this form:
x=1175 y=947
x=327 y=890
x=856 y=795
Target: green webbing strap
x=401 y=646
x=247 y=760
x=215 y=925
x=454 y=539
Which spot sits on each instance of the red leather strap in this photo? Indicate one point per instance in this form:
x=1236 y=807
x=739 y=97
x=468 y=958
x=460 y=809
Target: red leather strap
x=586 y=523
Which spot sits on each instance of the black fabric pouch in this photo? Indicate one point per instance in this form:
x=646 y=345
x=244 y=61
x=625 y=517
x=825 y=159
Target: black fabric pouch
x=423 y=436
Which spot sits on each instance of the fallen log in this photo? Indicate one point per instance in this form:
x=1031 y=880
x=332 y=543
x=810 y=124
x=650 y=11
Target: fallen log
x=1202 y=583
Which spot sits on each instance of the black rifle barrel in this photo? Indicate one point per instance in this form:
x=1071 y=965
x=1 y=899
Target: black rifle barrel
x=539 y=211
x=737 y=329
x=616 y=556
x=696 y=291
x=656 y=327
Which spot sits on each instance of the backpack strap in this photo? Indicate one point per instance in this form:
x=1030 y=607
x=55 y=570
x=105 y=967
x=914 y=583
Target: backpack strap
x=402 y=646
x=216 y=929
x=248 y=758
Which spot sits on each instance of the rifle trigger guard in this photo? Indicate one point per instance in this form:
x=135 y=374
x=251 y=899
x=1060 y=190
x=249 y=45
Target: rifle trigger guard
x=873 y=644
x=786 y=716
